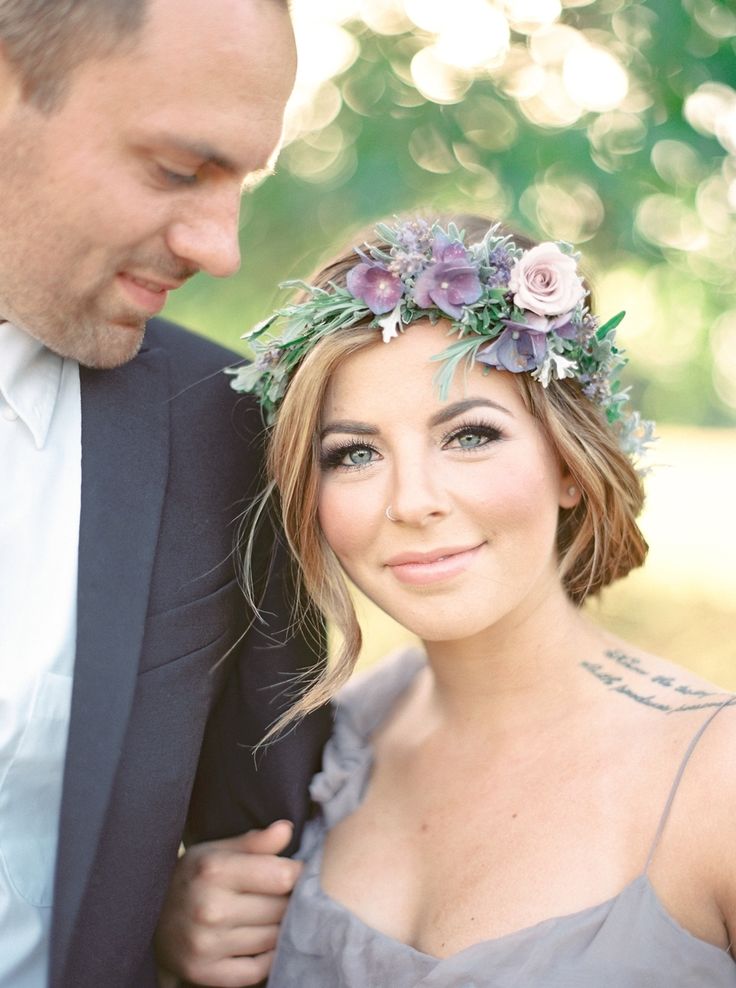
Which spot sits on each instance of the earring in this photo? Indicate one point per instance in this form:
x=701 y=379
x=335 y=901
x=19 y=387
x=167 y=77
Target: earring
x=389 y=515
x=572 y=490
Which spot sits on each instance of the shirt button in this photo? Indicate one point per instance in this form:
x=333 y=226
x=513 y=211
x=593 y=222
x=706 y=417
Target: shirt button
x=9 y=414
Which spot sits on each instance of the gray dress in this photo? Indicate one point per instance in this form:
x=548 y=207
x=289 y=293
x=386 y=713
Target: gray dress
x=629 y=941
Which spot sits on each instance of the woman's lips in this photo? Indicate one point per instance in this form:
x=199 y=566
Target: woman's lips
x=419 y=569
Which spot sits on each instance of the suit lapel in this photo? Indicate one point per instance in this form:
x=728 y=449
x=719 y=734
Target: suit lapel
x=125 y=451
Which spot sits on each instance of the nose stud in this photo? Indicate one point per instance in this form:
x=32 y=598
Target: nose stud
x=389 y=515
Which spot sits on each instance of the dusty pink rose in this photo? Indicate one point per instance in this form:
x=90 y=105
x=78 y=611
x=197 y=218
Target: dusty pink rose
x=546 y=281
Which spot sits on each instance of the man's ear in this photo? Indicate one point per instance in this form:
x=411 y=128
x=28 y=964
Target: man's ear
x=10 y=86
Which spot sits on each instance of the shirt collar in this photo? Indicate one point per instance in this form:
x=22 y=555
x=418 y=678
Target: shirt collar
x=30 y=377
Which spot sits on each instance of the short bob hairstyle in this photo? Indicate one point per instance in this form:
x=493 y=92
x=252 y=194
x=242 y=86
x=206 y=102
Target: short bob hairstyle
x=598 y=540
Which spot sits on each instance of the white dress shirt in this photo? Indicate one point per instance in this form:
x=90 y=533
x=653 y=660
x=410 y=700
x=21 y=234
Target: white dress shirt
x=40 y=493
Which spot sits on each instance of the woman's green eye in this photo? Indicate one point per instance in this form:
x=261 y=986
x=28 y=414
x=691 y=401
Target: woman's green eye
x=359 y=457
x=468 y=440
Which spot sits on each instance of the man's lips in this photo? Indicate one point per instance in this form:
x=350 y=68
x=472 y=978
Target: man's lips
x=149 y=294
x=419 y=568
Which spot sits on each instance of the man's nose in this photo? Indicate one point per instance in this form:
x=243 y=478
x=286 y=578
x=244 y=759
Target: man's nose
x=206 y=236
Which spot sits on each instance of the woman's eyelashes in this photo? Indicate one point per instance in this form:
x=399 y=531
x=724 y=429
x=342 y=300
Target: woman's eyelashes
x=354 y=454
x=470 y=436
x=350 y=455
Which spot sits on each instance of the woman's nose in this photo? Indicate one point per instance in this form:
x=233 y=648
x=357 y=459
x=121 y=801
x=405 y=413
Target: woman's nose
x=418 y=496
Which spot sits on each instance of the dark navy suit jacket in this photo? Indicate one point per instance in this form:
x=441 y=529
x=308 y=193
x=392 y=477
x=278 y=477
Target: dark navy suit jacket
x=169 y=453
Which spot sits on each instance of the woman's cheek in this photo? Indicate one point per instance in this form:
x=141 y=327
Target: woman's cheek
x=344 y=519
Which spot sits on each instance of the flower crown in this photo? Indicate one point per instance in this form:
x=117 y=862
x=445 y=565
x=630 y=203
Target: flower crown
x=519 y=310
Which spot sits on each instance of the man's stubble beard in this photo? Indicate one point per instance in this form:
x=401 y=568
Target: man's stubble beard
x=74 y=331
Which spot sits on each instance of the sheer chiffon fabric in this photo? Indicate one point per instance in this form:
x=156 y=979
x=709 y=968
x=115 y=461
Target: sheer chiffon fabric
x=629 y=941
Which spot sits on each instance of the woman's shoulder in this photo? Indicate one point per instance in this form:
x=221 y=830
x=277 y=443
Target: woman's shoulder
x=685 y=723
x=703 y=726
x=640 y=680
x=371 y=693
x=694 y=720
x=360 y=707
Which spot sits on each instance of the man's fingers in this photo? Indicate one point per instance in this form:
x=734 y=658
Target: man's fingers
x=225 y=902
x=229 y=911
x=212 y=946
x=233 y=972
x=272 y=840
x=260 y=874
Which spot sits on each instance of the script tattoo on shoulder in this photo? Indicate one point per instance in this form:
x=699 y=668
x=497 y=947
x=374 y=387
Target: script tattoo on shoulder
x=627 y=674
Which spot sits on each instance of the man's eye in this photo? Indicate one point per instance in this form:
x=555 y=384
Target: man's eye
x=178 y=178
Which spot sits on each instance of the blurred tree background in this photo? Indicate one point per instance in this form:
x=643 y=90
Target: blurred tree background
x=609 y=123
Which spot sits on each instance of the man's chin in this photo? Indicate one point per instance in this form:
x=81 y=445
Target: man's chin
x=119 y=349
x=112 y=346
x=95 y=342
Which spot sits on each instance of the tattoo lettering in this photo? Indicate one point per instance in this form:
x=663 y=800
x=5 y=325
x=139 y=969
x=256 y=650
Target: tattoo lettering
x=597 y=670
x=658 y=700
x=690 y=692
x=627 y=661
x=648 y=701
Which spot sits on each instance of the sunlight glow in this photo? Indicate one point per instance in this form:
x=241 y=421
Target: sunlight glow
x=385 y=16
x=594 y=78
x=325 y=50
x=430 y=15
x=528 y=16
x=668 y=222
x=550 y=46
x=435 y=79
x=711 y=109
x=477 y=36
x=552 y=106
x=564 y=207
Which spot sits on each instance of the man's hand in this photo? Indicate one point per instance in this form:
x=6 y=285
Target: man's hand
x=223 y=909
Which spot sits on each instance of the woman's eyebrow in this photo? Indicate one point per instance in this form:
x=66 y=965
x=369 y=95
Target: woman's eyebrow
x=458 y=407
x=361 y=428
x=444 y=415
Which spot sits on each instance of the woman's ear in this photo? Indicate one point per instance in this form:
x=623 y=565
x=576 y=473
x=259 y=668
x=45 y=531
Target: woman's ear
x=570 y=493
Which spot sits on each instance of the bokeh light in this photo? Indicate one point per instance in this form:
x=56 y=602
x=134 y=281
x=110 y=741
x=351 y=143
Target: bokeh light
x=594 y=78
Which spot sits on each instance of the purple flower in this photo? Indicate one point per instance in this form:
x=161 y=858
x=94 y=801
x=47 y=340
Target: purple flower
x=374 y=285
x=450 y=282
x=499 y=263
x=406 y=264
x=565 y=327
x=562 y=326
x=414 y=236
x=517 y=349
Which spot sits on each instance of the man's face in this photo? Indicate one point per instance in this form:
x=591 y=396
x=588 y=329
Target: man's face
x=133 y=184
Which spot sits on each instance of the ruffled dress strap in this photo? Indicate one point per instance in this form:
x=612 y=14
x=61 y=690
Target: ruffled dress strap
x=361 y=707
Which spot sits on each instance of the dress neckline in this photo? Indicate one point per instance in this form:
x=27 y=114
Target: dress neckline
x=641 y=884
x=363 y=727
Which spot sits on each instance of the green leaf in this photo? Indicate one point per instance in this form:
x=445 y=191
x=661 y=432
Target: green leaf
x=612 y=323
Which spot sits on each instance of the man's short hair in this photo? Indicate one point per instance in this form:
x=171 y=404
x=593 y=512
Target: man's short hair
x=45 y=40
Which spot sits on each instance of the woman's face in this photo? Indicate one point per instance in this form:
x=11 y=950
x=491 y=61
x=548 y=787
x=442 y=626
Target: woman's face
x=472 y=483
